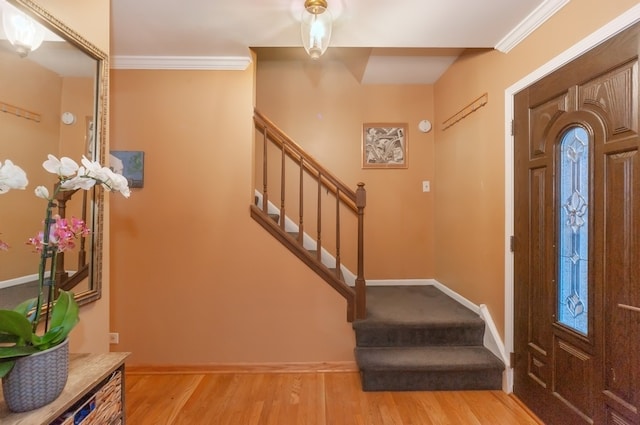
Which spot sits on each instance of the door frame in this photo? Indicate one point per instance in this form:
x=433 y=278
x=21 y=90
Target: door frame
x=610 y=29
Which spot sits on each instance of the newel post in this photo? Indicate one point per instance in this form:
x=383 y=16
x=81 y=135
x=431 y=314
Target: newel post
x=361 y=285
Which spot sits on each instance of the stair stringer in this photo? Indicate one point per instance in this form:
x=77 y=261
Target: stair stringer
x=308 y=243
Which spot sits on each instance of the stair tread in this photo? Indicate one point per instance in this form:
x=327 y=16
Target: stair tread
x=426 y=358
x=412 y=306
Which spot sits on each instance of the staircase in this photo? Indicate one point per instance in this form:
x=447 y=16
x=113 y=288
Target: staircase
x=416 y=338
x=407 y=338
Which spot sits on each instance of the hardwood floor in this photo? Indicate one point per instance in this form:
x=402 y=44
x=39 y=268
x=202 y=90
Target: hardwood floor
x=316 y=398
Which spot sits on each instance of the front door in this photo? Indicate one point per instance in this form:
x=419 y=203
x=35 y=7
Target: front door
x=577 y=239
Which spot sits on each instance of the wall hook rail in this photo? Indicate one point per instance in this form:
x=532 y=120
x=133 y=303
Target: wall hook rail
x=19 y=112
x=469 y=109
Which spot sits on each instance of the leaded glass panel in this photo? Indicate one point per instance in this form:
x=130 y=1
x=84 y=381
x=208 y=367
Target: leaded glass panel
x=573 y=232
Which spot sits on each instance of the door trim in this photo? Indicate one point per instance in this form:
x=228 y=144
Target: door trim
x=610 y=29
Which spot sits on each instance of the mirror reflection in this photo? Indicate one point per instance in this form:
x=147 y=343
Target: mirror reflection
x=48 y=105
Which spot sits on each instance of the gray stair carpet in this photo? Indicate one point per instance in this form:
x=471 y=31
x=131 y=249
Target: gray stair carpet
x=416 y=338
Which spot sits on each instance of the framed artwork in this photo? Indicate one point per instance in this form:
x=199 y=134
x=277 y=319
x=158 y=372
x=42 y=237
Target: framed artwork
x=384 y=145
x=130 y=164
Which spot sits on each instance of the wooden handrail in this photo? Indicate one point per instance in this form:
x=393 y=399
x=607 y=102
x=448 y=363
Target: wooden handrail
x=354 y=200
x=296 y=152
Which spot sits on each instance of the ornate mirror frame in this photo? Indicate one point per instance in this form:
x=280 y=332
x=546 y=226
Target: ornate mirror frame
x=95 y=197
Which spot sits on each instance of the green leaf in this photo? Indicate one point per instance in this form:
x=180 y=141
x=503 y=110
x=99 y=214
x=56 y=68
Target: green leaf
x=5 y=367
x=16 y=351
x=12 y=322
x=6 y=338
x=26 y=306
x=52 y=338
x=64 y=317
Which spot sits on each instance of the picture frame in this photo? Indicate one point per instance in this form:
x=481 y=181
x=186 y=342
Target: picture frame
x=130 y=164
x=384 y=145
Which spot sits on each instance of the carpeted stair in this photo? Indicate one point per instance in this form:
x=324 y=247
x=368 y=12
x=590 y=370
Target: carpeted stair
x=416 y=338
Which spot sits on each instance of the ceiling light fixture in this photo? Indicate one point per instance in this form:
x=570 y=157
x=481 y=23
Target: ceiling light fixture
x=25 y=34
x=316 y=27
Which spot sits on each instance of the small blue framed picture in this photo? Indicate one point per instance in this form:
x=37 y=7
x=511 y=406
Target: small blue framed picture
x=130 y=164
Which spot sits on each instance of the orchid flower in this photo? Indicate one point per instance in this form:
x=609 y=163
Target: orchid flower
x=12 y=177
x=62 y=234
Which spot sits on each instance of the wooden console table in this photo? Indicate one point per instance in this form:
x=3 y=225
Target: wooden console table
x=90 y=377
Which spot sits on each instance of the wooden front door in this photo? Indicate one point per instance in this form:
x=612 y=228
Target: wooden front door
x=577 y=239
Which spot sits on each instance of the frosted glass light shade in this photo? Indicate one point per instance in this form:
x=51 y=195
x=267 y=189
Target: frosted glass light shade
x=316 y=28
x=25 y=34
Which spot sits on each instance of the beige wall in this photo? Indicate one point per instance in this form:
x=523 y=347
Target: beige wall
x=194 y=279
x=470 y=158
x=91 y=20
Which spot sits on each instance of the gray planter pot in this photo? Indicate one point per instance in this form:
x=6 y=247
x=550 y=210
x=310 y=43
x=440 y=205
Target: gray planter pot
x=37 y=380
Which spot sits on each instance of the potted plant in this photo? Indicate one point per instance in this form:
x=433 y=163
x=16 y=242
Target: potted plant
x=41 y=325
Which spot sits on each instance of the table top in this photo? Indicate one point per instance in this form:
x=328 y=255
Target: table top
x=85 y=372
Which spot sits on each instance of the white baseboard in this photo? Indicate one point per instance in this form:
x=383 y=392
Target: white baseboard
x=18 y=281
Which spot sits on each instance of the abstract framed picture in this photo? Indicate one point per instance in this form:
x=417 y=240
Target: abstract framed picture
x=130 y=164
x=384 y=145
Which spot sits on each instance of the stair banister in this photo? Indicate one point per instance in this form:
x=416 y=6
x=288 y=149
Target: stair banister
x=354 y=200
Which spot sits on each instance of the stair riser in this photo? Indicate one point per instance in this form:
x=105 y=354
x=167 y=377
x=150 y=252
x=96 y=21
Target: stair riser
x=394 y=337
x=431 y=380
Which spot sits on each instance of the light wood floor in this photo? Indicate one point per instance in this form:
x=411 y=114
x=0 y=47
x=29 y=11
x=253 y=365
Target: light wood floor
x=333 y=398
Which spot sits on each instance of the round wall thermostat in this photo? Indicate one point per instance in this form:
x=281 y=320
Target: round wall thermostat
x=424 y=126
x=68 y=118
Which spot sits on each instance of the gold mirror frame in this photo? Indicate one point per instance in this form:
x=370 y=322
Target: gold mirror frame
x=96 y=195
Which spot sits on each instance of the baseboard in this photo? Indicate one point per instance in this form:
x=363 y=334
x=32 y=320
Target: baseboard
x=492 y=340
x=303 y=367
x=19 y=280
x=401 y=282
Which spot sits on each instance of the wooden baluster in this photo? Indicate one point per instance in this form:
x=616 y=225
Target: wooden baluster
x=319 y=215
x=361 y=288
x=301 y=222
x=338 y=263
x=282 y=184
x=265 y=133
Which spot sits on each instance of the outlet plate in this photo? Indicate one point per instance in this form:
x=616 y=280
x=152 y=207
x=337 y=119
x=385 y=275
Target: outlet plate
x=426 y=186
x=114 y=338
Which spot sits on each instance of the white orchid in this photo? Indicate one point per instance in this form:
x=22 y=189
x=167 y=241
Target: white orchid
x=87 y=175
x=71 y=176
x=12 y=177
x=42 y=192
x=63 y=167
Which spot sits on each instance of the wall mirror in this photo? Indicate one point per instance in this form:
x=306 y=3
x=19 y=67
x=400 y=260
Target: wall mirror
x=52 y=101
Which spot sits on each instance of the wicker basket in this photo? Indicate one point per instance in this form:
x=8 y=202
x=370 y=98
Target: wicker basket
x=104 y=407
x=38 y=379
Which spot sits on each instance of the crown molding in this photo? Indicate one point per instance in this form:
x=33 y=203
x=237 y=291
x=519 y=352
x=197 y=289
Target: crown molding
x=215 y=63
x=530 y=24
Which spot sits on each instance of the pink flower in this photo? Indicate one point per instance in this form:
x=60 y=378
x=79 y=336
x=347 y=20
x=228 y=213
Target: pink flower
x=62 y=234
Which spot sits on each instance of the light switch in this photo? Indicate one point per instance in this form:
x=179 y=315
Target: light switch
x=426 y=186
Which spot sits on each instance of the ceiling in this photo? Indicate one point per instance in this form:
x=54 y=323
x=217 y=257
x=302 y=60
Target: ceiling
x=403 y=41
